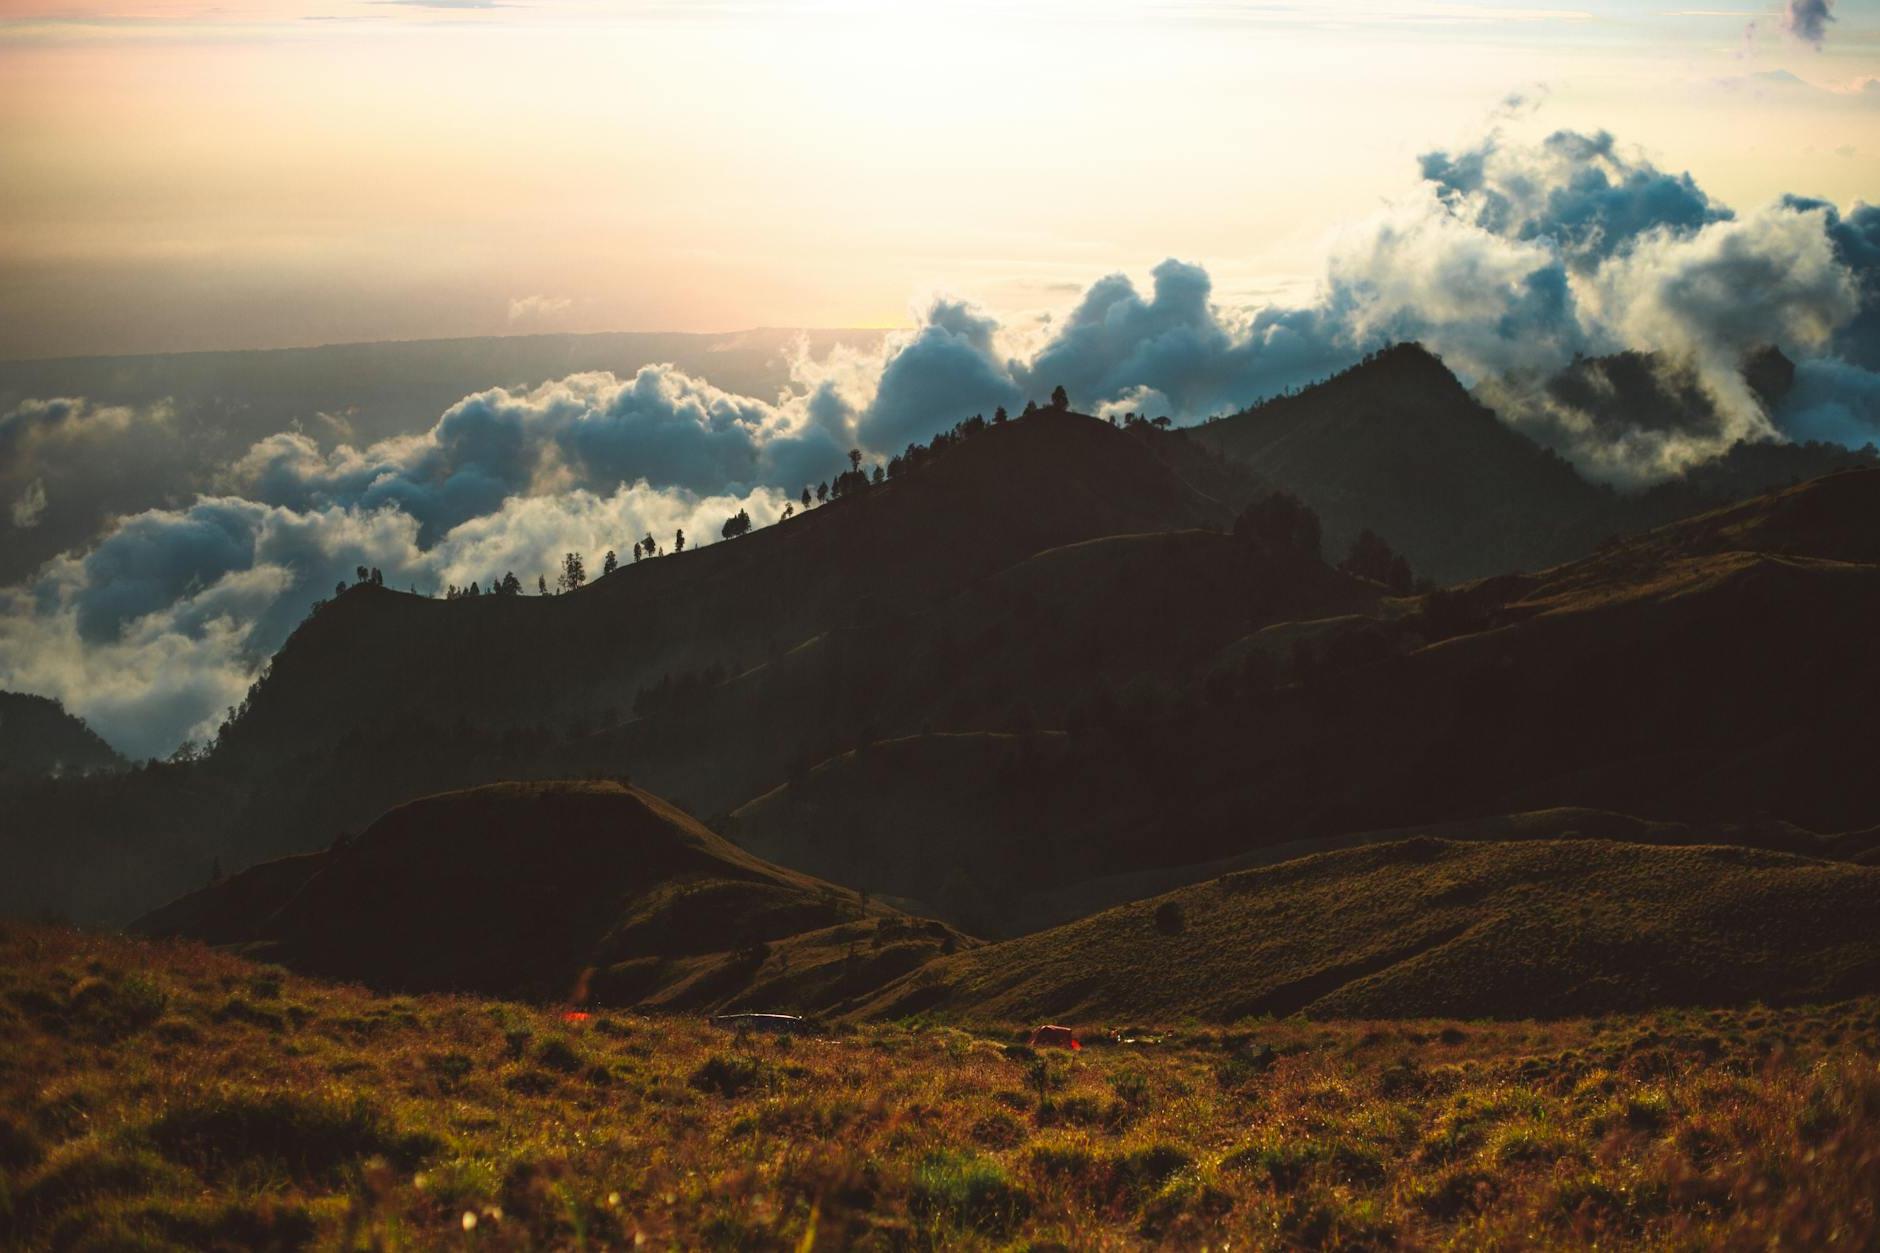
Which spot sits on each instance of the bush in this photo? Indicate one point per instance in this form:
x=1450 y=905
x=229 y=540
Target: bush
x=728 y=1076
x=113 y=1009
x=308 y=1138
x=557 y=1054
x=966 y=1190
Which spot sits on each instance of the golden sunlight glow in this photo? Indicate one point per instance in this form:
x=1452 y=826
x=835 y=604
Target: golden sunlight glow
x=282 y=173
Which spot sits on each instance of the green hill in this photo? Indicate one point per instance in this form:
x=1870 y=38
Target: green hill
x=1421 y=927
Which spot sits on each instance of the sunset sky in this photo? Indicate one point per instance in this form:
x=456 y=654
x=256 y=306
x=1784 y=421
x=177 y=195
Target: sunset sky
x=267 y=173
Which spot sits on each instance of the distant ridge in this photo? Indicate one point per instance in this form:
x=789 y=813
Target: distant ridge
x=1397 y=446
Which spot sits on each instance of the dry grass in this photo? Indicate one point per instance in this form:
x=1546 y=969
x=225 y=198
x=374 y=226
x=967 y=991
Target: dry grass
x=167 y=1096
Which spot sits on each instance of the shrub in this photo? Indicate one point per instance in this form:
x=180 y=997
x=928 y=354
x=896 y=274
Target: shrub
x=237 y=1009
x=557 y=1054
x=728 y=1076
x=1140 y=1172
x=112 y=1009
x=309 y=1138
x=965 y=1190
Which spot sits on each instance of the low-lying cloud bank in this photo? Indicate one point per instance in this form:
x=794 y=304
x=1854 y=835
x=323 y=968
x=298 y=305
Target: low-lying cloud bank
x=1509 y=260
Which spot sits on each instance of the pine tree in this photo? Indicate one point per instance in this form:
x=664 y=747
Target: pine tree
x=573 y=573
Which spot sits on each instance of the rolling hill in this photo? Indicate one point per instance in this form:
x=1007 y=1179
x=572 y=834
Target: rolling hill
x=1546 y=928
x=594 y=893
x=1057 y=574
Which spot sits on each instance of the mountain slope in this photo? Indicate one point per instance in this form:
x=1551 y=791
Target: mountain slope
x=1434 y=927
x=1711 y=677
x=38 y=737
x=556 y=891
x=1396 y=445
x=1399 y=447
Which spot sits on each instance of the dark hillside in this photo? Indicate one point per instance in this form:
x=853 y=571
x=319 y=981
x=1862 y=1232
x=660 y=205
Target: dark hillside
x=38 y=738
x=557 y=891
x=1396 y=445
x=1685 y=677
x=1535 y=928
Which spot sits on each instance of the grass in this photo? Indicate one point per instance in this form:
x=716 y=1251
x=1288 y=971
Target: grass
x=1514 y=929
x=347 y=1120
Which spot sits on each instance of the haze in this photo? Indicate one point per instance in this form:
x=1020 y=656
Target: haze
x=268 y=174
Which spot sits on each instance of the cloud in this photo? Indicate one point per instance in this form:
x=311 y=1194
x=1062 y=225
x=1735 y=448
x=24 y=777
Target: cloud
x=31 y=503
x=1808 y=20
x=162 y=626
x=537 y=308
x=1578 y=192
x=1514 y=261
x=584 y=432
x=1832 y=401
x=63 y=420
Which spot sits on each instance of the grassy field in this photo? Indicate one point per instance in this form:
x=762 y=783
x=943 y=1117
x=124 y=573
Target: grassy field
x=159 y=1095
x=1507 y=929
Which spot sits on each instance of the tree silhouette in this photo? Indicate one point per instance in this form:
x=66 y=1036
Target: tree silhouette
x=341 y=589
x=998 y=416
x=362 y=575
x=609 y=563
x=512 y=586
x=678 y=541
x=573 y=573
x=880 y=474
x=1371 y=558
x=737 y=524
x=378 y=577
x=541 y=585
x=652 y=549
x=806 y=498
x=822 y=492
x=1280 y=518
x=1060 y=399
x=855 y=458
x=1031 y=407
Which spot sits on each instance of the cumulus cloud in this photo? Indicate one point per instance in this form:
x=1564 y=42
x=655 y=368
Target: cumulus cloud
x=585 y=432
x=1578 y=193
x=33 y=424
x=1808 y=20
x=156 y=631
x=1513 y=261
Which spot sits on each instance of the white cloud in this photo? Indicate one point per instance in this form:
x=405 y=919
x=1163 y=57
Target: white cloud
x=538 y=308
x=30 y=504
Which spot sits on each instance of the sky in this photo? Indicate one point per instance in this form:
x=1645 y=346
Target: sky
x=1168 y=208
x=262 y=173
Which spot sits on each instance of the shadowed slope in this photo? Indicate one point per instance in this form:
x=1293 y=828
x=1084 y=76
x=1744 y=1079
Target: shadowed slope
x=540 y=890
x=38 y=737
x=1396 y=445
